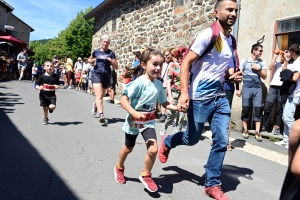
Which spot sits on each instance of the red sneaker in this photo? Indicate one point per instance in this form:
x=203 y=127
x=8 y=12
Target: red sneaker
x=148 y=183
x=164 y=151
x=119 y=175
x=215 y=192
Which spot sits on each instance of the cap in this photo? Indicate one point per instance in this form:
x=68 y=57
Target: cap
x=79 y=58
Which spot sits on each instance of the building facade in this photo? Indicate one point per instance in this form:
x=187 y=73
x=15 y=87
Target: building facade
x=21 y=29
x=5 y=8
x=167 y=23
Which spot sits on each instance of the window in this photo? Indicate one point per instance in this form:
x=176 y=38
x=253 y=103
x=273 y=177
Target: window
x=178 y=3
x=287 y=32
x=114 y=24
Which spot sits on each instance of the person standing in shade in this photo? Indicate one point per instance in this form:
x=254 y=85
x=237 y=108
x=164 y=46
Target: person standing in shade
x=104 y=58
x=22 y=62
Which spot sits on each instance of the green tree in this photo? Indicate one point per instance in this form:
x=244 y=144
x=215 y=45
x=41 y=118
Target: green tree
x=75 y=40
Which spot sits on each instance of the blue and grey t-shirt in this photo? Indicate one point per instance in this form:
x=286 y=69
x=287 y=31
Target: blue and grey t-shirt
x=251 y=78
x=102 y=64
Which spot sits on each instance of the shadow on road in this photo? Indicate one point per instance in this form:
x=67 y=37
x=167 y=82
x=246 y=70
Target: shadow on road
x=238 y=143
x=8 y=100
x=65 y=123
x=24 y=174
x=115 y=120
x=230 y=178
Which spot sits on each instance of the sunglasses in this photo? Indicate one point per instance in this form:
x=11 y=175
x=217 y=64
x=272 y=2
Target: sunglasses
x=260 y=51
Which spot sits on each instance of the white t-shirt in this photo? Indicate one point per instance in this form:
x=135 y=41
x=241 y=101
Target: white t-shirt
x=276 y=78
x=207 y=74
x=78 y=65
x=85 y=66
x=296 y=67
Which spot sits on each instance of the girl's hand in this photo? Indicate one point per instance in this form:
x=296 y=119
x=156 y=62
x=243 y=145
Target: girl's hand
x=138 y=115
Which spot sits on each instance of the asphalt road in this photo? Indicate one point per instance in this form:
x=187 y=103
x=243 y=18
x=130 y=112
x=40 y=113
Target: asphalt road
x=73 y=156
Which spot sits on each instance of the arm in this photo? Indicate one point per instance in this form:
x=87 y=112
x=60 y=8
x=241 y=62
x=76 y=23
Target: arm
x=295 y=77
x=126 y=105
x=263 y=73
x=272 y=63
x=294 y=150
x=295 y=165
x=169 y=106
x=91 y=59
x=114 y=63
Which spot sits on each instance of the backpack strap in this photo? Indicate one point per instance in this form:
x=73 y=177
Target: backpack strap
x=214 y=37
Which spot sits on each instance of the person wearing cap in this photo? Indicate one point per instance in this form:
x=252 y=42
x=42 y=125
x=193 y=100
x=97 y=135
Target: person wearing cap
x=103 y=58
x=22 y=62
x=78 y=65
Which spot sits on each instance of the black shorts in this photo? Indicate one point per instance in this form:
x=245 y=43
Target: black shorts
x=229 y=96
x=103 y=79
x=147 y=134
x=45 y=102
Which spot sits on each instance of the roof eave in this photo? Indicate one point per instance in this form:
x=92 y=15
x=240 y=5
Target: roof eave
x=95 y=11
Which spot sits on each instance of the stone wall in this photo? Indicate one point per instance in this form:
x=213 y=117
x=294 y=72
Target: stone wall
x=158 y=24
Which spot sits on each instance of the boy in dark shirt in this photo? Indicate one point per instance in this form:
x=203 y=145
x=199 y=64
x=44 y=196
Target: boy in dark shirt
x=47 y=83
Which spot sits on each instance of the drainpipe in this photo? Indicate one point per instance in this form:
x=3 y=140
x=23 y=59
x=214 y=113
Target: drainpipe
x=236 y=26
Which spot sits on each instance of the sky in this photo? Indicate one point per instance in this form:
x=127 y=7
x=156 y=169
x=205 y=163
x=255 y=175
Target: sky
x=49 y=17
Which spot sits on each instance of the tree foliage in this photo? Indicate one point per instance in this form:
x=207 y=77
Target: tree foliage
x=75 y=40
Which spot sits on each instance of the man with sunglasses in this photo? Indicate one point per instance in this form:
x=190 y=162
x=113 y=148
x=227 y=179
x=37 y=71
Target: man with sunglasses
x=254 y=68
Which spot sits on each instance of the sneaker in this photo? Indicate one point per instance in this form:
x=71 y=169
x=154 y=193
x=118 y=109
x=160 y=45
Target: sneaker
x=281 y=143
x=164 y=151
x=258 y=137
x=69 y=87
x=50 y=111
x=102 y=119
x=215 y=192
x=161 y=120
x=245 y=134
x=119 y=175
x=263 y=129
x=276 y=131
x=94 y=110
x=46 y=121
x=148 y=183
x=110 y=101
x=163 y=131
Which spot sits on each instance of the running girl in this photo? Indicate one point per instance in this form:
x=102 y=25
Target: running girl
x=47 y=83
x=139 y=99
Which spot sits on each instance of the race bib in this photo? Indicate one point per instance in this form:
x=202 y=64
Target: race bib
x=149 y=116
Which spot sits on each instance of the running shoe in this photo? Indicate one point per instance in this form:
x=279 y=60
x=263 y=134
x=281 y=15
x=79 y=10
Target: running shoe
x=119 y=175
x=276 y=131
x=164 y=151
x=148 y=183
x=102 y=120
x=215 y=192
x=46 y=121
x=94 y=109
x=50 y=111
x=163 y=130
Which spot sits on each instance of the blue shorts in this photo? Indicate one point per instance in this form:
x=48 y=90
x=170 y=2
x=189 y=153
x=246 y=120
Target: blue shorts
x=104 y=79
x=251 y=96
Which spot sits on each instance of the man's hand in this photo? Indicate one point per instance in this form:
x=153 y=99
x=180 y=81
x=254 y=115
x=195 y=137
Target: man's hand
x=237 y=77
x=255 y=67
x=183 y=102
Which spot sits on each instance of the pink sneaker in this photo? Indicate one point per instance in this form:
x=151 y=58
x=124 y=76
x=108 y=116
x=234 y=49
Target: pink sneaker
x=164 y=151
x=119 y=175
x=148 y=183
x=215 y=192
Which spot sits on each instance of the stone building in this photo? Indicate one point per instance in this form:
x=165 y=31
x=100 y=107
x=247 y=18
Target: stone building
x=166 y=23
x=156 y=23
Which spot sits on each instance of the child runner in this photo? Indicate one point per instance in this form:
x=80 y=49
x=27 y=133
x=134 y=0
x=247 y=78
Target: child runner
x=34 y=72
x=77 y=77
x=139 y=99
x=47 y=83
